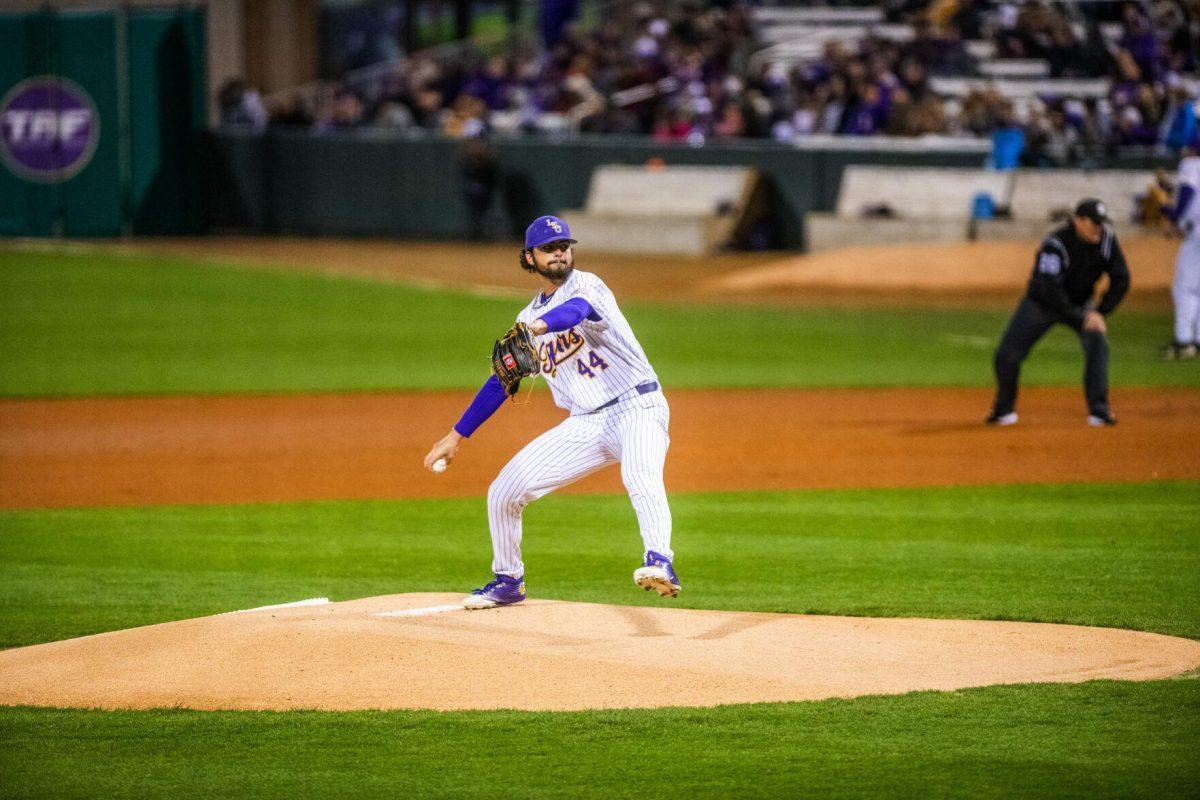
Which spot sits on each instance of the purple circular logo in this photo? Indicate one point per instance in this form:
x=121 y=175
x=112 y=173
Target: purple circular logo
x=49 y=129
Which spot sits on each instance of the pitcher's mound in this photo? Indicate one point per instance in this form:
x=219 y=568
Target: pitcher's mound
x=424 y=651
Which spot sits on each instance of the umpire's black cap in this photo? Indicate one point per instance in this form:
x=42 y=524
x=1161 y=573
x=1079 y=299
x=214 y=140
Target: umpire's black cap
x=1093 y=209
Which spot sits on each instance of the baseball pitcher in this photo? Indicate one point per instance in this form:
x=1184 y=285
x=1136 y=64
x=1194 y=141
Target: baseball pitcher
x=573 y=335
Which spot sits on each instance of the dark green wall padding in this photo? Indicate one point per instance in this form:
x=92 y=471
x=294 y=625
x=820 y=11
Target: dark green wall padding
x=81 y=47
x=167 y=99
x=372 y=183
x=293 y=181
x=86 y=53
x=148 y=183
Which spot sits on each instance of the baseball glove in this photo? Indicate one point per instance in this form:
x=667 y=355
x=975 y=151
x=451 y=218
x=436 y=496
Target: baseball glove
x=514 y=357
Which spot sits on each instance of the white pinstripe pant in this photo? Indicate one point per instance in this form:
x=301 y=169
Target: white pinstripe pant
x=633 y=432
x=1185 y=289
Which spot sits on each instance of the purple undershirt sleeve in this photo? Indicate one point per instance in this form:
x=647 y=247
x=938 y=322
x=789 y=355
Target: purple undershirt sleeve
x=569 y=314
x=1186 y=195
x=490 y=397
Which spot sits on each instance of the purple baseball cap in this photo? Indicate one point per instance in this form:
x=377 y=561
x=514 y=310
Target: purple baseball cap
x=544 y=230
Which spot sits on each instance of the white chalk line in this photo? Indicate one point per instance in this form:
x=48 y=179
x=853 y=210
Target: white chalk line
x=312 y=601
x=419 y=612
x=320 y=601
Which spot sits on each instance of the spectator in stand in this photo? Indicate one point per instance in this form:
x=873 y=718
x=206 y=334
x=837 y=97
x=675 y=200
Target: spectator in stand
x=339 y=110
x=1179 y=123
x=241 y=105
x=678 y=71
x=1124 y=88
x=731 y=123
x=867 y=111
x=394 y=115
x=968 y=18
x=489 y=83
x=554 y=16
x=671 y=126
x=1132 y=129
x=1139 y=39
x=915 y=118
x=1147 y=103
x=466 y=117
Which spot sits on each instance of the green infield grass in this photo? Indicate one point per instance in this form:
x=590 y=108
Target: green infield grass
x=82 y=324
x=1101 y=739
x=1123 y=555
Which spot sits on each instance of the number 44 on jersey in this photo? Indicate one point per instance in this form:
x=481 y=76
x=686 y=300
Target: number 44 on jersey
x=594 y=362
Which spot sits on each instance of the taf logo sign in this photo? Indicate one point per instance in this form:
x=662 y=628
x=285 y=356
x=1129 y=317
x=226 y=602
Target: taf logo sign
x=49 y=129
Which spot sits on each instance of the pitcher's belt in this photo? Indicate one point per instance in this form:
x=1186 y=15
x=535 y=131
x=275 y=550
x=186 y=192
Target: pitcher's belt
x=641 y=388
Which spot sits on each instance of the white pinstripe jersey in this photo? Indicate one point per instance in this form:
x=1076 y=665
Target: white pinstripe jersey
x=1189 y=175
x=595 y=361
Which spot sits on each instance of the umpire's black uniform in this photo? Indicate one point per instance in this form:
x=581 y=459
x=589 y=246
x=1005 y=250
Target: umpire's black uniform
x=1065 y=272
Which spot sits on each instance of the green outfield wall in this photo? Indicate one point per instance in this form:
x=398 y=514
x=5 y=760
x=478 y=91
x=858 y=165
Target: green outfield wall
x=366 y=182
x=292 y=181
x=100 y=117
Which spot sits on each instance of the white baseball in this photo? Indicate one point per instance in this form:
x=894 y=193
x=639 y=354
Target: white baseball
x=439 y=465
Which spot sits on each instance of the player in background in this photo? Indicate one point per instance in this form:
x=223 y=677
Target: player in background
x=1185 y=289
x=1065 y=271
x=598 y=372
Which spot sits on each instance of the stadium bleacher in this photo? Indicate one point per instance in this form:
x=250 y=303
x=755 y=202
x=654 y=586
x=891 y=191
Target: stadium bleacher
x=691 y=72
x=914 y=204
x=687 y=210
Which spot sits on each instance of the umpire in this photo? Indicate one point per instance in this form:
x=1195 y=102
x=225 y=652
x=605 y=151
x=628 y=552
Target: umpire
x=1065 y=271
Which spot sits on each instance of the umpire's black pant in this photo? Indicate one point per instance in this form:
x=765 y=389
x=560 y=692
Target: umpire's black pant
x=1028 y=324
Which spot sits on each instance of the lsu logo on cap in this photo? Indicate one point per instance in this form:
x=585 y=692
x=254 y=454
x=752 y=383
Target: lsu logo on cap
x=1101 y=210
x=553 y=223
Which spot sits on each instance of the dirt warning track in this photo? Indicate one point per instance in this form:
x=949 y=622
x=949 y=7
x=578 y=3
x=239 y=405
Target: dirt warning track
x=142 y=451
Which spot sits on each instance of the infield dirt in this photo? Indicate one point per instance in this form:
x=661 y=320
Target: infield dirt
x=145 y=451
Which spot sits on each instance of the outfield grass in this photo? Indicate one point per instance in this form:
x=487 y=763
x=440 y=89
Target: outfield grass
x=1114 y=555
x=1102 y=739
x=75 y=324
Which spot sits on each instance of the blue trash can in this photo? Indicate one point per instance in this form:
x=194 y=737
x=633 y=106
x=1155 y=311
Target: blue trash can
x=983 y=206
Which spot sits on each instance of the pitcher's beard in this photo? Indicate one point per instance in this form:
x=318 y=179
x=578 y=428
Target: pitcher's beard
x=556 y=275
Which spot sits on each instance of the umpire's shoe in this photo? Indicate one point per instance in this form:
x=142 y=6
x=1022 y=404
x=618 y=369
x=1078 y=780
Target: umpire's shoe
x=1002 y=420
x=657 y=573
x=504 y=591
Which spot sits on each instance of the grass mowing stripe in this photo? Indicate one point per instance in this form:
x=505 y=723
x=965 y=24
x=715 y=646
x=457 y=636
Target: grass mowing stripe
x=111 y=324
x=1122 y=555
x=1056 y=741
x=121 y=324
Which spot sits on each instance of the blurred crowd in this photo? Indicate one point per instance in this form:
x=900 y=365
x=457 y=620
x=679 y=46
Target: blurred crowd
x=685 y=71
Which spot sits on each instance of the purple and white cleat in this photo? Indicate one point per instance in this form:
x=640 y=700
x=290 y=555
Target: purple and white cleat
x=503 y=591
x=657 y=574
